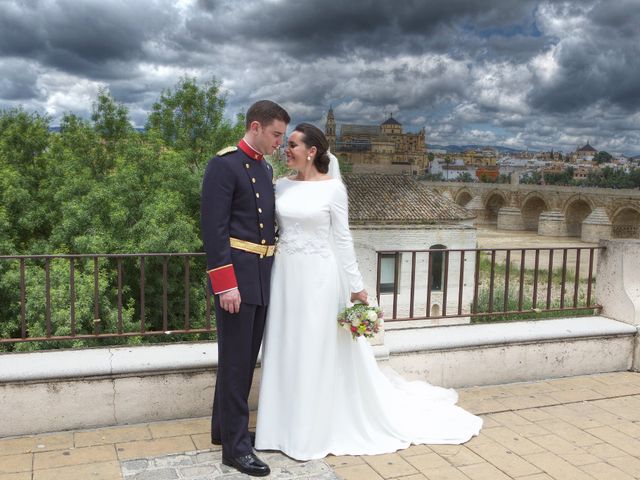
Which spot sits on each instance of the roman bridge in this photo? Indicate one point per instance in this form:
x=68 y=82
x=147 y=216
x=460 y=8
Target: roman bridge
x=588 y=213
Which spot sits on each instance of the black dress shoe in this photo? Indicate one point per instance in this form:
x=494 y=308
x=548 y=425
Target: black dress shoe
x=252 y=436
x=248 y=464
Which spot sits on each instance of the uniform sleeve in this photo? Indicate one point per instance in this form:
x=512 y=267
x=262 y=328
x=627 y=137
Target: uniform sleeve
x=342 y=239
x=215 y=213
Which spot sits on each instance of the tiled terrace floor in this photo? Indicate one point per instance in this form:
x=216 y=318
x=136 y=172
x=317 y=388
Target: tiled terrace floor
x=584 y=427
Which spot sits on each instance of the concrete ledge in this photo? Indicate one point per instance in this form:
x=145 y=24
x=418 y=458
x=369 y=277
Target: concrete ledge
x=461 y=356
x=491 y=334
x=95 y=362
x=115 y=362
x=59 y=390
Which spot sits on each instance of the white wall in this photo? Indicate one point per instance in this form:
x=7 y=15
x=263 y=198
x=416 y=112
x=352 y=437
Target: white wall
x=369 y=240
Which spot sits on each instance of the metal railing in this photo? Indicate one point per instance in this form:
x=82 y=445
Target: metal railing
x=119 y=286
x=89 y=297
x=485 y=284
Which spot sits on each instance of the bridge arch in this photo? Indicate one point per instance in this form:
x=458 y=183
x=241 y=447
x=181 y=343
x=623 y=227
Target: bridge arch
x=495 y=200
x=577 y=208
x=626 y=222
x=532 y=206
x=463 y=197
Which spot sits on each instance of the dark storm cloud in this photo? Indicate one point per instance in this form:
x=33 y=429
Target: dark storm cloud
x=18 y=81
x=599 y=62
x=87 y=37
x=310 y=28
x=527 y=73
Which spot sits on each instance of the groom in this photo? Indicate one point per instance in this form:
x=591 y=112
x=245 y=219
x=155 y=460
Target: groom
x=238 y=229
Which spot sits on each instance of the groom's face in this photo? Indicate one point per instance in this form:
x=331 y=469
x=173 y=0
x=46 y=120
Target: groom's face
x=267 y=138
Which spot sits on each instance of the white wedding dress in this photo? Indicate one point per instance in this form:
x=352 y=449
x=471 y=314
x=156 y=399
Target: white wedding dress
x=322 y=392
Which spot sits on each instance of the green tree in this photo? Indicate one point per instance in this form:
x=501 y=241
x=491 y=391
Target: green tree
x=432 y=177
x=345 y=166
x=602 y=157
x=190 y=119
x=561 y=178
x=447 y=162
x=111 y=120
x=532 y=178
x=465 y=177
x=24 y=210
x=98 y=186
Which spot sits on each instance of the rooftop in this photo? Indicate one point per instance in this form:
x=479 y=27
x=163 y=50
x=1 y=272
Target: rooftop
x=587 y=148
x=398 y=199
x=391 y=121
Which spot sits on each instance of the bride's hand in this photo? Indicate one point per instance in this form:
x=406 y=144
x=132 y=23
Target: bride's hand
x=360 y=296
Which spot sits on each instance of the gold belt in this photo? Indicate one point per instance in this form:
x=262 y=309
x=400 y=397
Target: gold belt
x=262 y=250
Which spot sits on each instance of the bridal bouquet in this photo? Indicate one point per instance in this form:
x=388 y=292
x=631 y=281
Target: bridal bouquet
x=361 y=320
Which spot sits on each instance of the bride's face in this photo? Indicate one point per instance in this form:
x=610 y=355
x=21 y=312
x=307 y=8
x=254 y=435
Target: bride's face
x=297 y=152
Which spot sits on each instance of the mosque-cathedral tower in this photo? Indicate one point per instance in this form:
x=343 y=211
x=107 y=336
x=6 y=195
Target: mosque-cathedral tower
x=330 y=129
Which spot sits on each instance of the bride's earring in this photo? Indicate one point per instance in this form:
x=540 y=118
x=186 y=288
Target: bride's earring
x=308 y=158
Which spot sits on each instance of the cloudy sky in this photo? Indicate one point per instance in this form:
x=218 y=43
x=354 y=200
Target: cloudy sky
x=518 y=73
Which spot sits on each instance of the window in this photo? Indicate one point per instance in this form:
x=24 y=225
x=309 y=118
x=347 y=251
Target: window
x=437 y=268
x=388 y=267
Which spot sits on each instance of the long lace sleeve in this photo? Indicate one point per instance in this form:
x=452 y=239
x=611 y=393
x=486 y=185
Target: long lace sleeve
x=343 y=242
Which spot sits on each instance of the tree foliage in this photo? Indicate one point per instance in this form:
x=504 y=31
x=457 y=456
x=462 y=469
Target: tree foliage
x=190 y=119
x=607 y=177
x=602 y=157
x=101 y=186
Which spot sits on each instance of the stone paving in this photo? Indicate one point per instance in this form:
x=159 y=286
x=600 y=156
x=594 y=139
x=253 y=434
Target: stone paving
x=207 y=465
x=585 y=427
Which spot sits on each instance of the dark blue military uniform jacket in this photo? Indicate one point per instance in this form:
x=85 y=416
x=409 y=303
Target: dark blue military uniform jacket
x=238 y=201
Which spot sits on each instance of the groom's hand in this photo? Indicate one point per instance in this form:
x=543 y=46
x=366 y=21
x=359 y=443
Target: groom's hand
x=230 y=301
x=360 y=296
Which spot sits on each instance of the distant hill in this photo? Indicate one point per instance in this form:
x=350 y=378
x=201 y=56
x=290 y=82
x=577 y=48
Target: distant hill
x=462 y=148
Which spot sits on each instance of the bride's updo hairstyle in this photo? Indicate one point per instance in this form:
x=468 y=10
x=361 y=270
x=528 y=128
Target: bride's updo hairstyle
x=313 y=137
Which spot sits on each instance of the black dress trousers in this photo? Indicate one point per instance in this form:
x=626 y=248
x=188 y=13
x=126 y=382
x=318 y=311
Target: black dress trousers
x=239 y=338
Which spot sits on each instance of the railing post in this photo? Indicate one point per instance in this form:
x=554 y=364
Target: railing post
x=618 y=285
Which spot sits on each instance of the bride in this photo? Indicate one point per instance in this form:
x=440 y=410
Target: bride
x=321 y=392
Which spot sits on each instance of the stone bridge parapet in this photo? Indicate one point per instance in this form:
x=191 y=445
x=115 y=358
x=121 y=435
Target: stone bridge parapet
x=588 y=213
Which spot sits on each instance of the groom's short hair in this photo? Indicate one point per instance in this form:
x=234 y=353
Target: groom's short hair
x=265 y=112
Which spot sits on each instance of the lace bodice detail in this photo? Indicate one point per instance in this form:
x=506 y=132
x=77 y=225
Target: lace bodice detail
x=297 y=240
x=313 y=219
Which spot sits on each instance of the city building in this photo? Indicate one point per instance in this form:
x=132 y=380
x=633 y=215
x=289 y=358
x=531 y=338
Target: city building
x=383 y=148
x=480 y=157
x=451 y=169
x=584 y=153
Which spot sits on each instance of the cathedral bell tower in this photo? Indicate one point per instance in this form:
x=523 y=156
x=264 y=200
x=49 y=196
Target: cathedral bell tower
x=330 y=129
